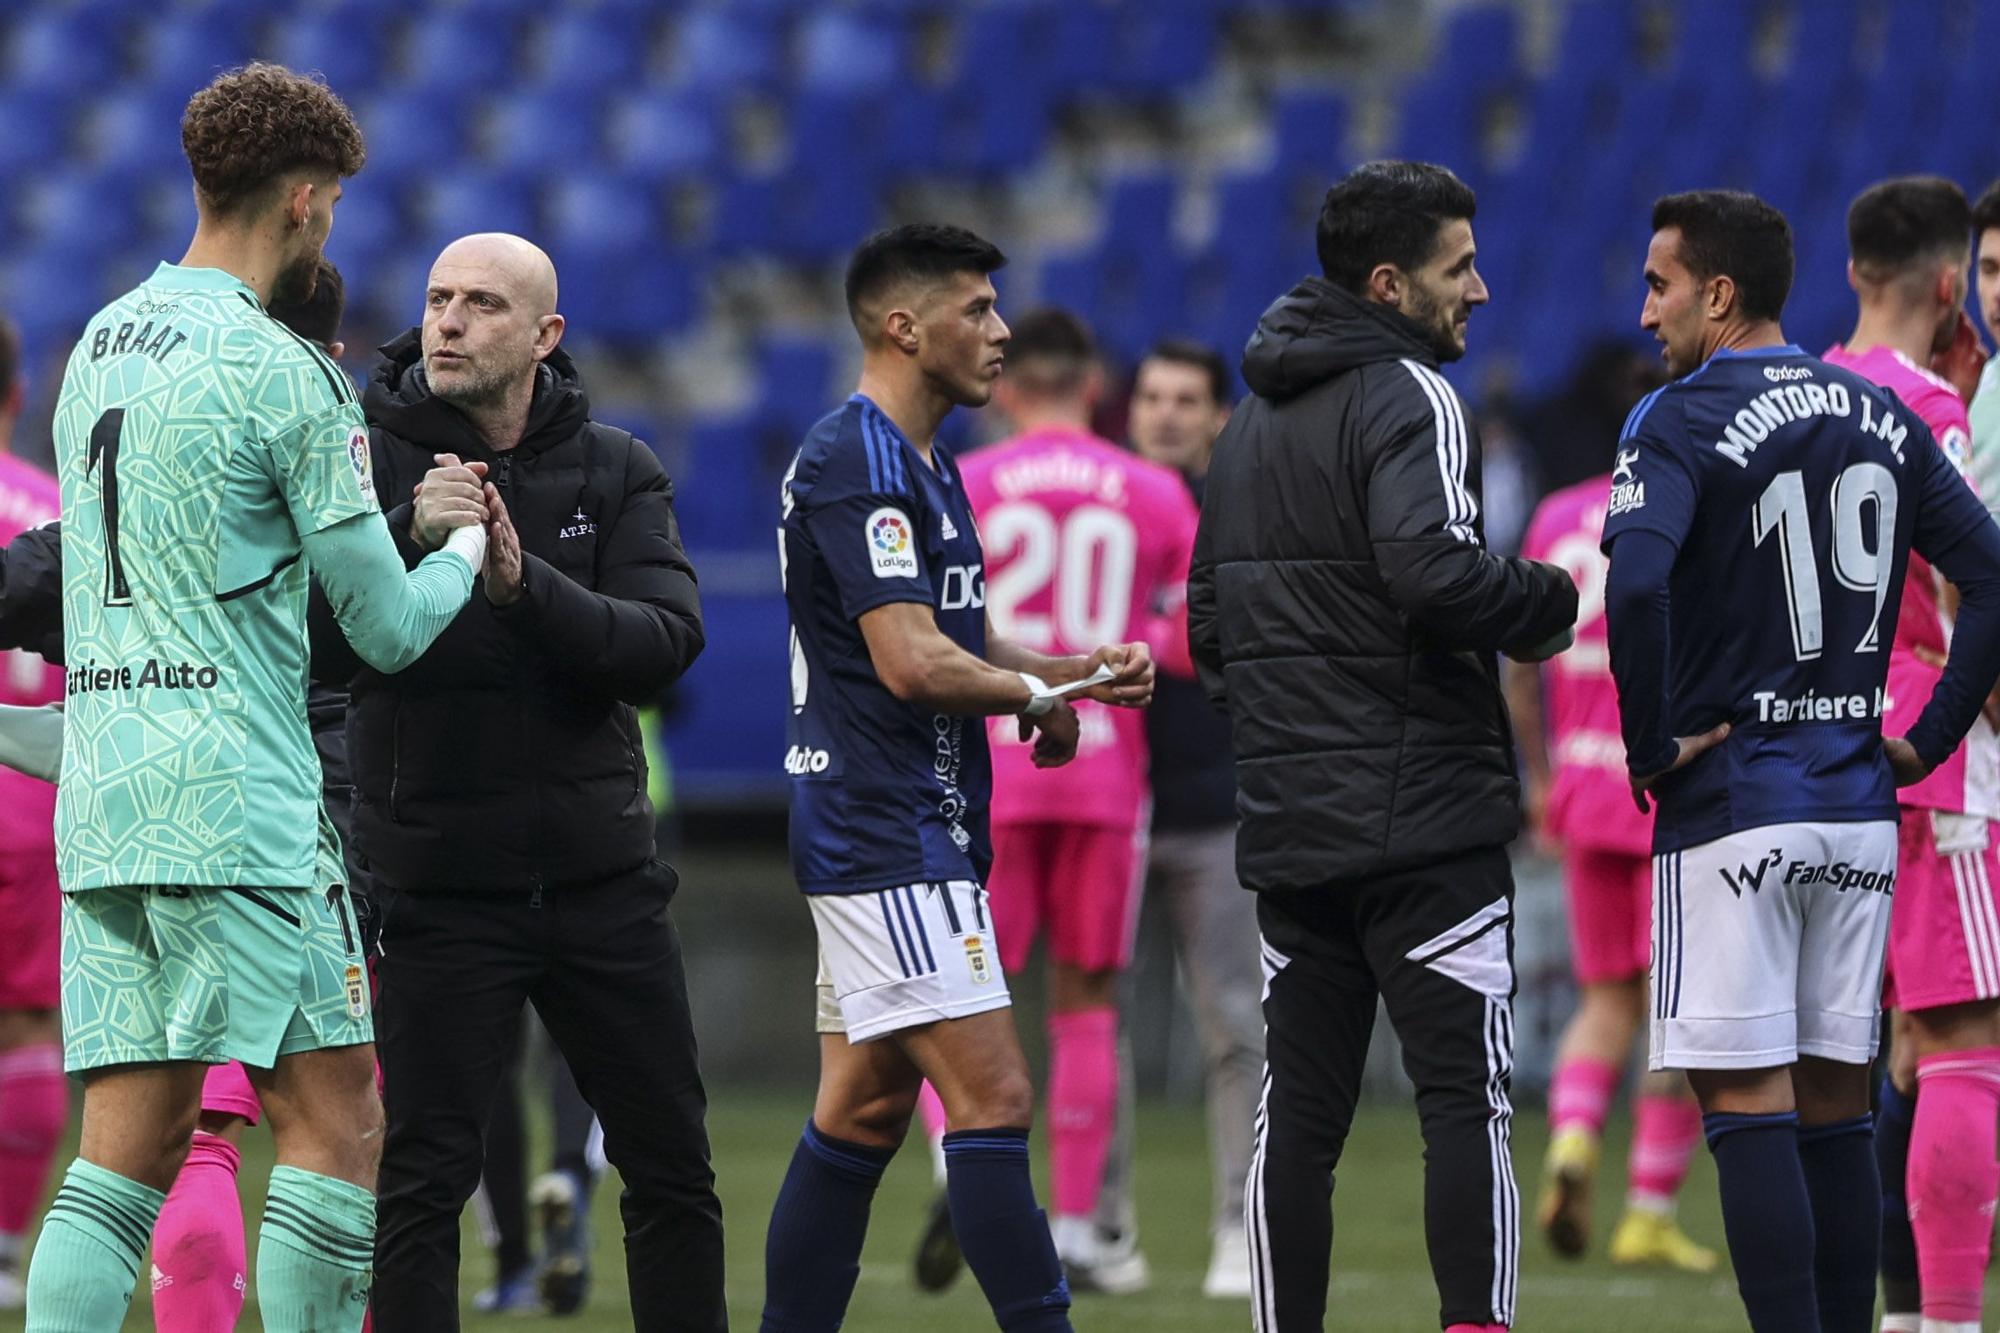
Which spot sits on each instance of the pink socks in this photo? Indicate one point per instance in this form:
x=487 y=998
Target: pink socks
x=1665 y=1131
x=198 y=1248
x=1953 y=1178
x=1580 y=1094
x=1477 y=1328
x=34 y=1105
x=1083 y=1105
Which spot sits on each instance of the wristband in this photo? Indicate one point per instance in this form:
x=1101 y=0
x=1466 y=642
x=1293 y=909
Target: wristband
x=469 y=544
x=1040 y=700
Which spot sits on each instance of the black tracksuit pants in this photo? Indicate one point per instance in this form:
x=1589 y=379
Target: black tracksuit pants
x=602 y=966
x=1436 y=944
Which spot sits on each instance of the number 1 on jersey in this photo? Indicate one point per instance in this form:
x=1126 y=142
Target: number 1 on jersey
x=104 y=452
x=1858 y=564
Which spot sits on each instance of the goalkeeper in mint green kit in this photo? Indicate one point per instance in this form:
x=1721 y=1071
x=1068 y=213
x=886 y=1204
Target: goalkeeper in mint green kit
x=209 y=458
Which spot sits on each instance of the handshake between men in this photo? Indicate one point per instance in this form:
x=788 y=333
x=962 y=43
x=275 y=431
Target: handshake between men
x=457 y=495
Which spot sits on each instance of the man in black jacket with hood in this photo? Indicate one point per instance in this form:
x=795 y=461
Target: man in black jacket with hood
x=500 y=795
x=1344 y=609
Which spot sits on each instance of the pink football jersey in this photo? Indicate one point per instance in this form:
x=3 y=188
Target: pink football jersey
x=29 y=498
x=1969 y=781
x=1590 y=798
x=1085 y=545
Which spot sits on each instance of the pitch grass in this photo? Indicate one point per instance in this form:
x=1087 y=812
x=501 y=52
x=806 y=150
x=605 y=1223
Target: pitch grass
x=1381 y=1280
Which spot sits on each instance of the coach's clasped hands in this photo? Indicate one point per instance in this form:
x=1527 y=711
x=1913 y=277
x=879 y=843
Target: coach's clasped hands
x=457 y=495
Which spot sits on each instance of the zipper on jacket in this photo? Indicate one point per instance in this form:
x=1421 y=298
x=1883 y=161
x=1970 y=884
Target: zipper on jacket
x=395 y=761
x=535 y=891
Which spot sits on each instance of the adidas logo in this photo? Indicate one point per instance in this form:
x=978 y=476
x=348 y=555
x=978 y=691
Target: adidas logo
x=950 y=532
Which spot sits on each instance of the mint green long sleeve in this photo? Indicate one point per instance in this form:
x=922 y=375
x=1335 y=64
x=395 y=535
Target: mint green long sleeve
x=388 y=614
x=31 y=740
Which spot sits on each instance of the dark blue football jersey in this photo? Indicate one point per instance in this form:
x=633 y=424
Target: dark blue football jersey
x=884 y=793
x=1792 y=491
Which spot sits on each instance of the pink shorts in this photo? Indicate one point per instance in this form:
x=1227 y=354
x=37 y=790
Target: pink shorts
x=30 y=930
x=1079 y=882
x=1610 y=914
x=226 y=1088
x=1944 y=931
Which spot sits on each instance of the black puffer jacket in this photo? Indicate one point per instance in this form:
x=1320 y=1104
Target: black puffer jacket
x=1344 y=607
x=31 y=592
x=508 y=756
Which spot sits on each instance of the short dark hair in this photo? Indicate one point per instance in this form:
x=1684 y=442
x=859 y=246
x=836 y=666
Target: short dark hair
x=1051 y=350
x=1387 y=213
x=1895 y=224
x=252 y=125
x=318 y=316
x=10 y=359
x=1728 y=233
x=921 y=251
x=1986 y=210
x=1187 y=352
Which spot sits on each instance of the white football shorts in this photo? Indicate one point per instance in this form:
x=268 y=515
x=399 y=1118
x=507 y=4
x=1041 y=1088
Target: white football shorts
x=899 y=958
x=1768 y=945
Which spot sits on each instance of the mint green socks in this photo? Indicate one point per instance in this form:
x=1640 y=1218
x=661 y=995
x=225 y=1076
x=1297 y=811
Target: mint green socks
x=316 y=1253
x=88 y=1256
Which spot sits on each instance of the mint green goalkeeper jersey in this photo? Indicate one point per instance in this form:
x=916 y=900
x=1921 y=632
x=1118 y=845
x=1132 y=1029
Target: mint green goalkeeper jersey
x=196 y=439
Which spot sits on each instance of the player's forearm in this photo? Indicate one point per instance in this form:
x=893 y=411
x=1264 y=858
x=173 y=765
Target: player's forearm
x=391 y=615
x=1522 y=683
x=947 y=679
x=1636 y=612
x=1011 y=656
x=1973 y=565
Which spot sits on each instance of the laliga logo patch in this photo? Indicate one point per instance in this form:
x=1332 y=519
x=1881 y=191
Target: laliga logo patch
x=364 y=466
x=889 y=544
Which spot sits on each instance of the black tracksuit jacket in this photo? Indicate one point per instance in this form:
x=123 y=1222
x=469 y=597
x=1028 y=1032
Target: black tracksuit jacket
x=508 y=757
x=1345 y=610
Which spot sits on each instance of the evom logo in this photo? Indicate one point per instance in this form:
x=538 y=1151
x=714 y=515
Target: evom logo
x=964 y=587
x=803 y=760
x=1751 y=877
x=1778 y=374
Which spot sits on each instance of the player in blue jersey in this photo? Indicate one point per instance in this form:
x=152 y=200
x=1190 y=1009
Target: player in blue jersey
x=1762 y=513
x=893 y=669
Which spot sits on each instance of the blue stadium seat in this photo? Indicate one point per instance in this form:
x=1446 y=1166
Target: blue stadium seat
x=628 y=296
x=1481 y=50
x=998 y=51
x=1162 y=47
x=607 y=49
x=845 y=51
x=81 y=213
x=457 y=201
x=603 y=213
x=49 y=296
x=1080 y=41
x=58 y=50
x=368 y=222
x=542 y=131
x=795 y=381
x=182 y=50
x=664 y=134
x=1309 y=130
x=38 y=131
x=454 y=49
x=726 y=50
x=829 y=131
x=721 y=506
x=1139 y=211
x=409 y=133
x=134 y=129
x=346 y=43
